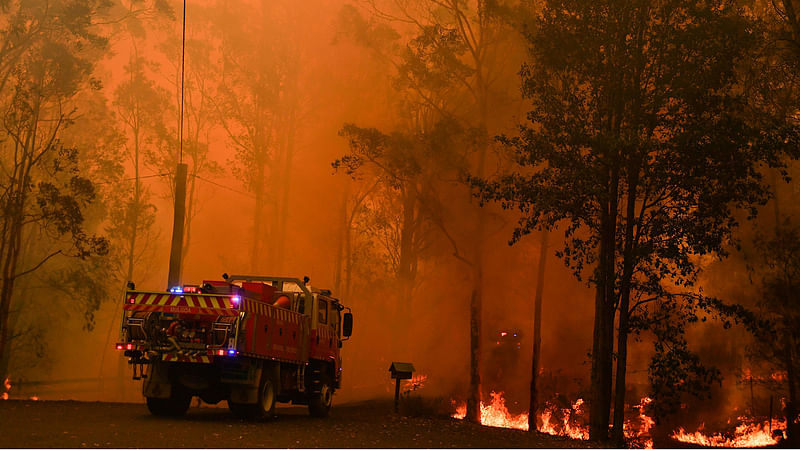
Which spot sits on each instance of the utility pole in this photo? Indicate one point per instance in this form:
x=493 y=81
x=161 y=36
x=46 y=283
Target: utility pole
x=179 y=214
x=177 y=226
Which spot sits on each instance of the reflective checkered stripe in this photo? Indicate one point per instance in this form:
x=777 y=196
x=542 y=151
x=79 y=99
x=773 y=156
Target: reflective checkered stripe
x=184 y=358
x=272 y=312
x=218 y=305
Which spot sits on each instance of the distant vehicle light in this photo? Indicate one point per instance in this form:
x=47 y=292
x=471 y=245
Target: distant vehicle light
x=504 y=334
x=129 y=347
x=119 y=346
x=176 y=290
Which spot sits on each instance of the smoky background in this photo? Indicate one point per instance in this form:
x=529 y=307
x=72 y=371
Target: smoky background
x=331 y=65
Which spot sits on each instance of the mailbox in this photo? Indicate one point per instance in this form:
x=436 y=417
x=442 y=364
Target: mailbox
x=401 y=370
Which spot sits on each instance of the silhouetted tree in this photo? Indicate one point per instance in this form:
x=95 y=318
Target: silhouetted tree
x=641 y=142
x=778 y=311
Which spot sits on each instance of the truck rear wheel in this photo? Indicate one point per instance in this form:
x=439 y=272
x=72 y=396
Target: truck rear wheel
x=175 y=405
x=319 y=400
x=264 y=408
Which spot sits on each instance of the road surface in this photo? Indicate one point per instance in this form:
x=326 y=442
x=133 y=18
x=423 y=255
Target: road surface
x=48 y=424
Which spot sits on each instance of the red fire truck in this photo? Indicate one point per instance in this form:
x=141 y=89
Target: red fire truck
x=250 y=340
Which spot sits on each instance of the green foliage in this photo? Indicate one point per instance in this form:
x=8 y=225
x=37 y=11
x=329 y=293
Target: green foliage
x=46 y=64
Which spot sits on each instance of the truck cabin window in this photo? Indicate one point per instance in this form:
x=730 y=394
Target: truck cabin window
x=323 y=311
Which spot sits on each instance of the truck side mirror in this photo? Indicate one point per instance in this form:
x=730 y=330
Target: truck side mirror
x=347 y=324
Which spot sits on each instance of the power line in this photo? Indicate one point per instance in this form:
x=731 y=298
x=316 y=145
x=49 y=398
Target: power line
x=224 y=187
x=246 y=194
x=132 y=178
x=183 y=60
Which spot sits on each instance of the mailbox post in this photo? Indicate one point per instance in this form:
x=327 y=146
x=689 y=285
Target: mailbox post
x=400 y=371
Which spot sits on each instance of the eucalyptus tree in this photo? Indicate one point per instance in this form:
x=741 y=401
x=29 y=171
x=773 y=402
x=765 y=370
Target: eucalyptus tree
x=451 y=59
x=642 y=143
x=48 y=53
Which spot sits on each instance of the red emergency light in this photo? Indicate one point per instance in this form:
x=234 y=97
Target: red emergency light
x=221 y=352
x=191 y=290
x=129 y=347
x=119 y=346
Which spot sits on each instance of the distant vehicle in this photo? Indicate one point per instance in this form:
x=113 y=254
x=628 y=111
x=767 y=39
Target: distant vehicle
x=250 y=340
x=502 y=366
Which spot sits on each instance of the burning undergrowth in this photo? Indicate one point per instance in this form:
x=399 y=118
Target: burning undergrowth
x=747 y=433
x=572 y=422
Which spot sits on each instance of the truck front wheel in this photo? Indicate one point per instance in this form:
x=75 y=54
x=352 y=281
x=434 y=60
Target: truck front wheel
x=319 y=401
x=175 y=405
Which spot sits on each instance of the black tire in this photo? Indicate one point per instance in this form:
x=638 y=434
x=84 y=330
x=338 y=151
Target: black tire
x=321 y=397
x=267 y=397
x=175 y=405
x=264 y=408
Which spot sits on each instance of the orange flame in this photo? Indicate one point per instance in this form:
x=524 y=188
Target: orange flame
x=747 y=434
x=640 y=434
x=496 y=414
x=557 y=421
x=7 y=385
x=564 y=427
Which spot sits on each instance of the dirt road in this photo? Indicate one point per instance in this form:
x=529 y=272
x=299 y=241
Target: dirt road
x=26 y=424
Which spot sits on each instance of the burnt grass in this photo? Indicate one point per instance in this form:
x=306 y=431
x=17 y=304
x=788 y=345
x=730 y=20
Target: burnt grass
x=370 y=424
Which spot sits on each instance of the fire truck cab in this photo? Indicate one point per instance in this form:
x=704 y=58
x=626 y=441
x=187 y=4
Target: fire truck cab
x=250 y=340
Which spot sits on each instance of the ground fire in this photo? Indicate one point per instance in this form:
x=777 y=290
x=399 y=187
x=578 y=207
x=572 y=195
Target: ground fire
x=564 y=422
x=747 y=434
x=554 y=420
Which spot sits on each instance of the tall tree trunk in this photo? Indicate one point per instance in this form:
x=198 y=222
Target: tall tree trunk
x=533 y=406
x=407 y=261
x=258 y=219
x=624 y=304
x=9 y=268
x=344 y=230
x=187 y=240
x=792 y=433
x=476 y=310
x=285 y=187
x=603 y=336
x=474 y=397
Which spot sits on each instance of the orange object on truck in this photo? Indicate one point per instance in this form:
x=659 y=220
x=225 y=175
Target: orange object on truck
x=250 y=340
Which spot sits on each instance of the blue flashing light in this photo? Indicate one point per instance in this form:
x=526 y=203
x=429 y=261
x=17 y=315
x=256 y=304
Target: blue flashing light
x=236 y=299
x=232 y=351
x=176 y=290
